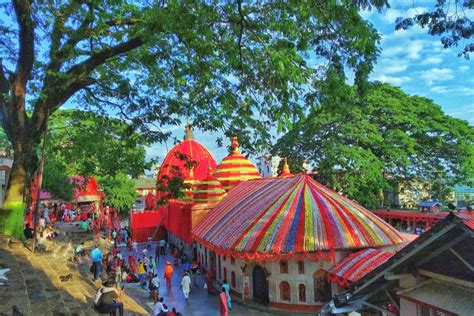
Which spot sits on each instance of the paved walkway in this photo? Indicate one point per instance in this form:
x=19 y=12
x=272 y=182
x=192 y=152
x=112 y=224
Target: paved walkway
x=34 y=286
x=200 y=303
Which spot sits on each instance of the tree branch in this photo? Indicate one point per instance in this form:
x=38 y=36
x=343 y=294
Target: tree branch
x=101 y=57
x=27 y=41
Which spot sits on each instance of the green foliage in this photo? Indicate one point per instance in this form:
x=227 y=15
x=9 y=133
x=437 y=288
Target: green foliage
x=56 y=181
x=89 y=144
x=359 y=145
x=450 y=19
x=11 y=219
x=120 y=192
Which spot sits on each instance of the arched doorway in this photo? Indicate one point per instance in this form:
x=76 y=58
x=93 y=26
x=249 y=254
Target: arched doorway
x=260 y=284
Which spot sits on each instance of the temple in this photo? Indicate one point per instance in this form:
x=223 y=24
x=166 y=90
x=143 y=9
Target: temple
x=288 y=242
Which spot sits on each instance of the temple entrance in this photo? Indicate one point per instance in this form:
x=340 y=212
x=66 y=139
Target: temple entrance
x=260 y=285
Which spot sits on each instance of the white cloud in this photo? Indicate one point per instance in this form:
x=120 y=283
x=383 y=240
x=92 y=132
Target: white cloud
x=410 y=49
x=393 y=80
x=394 y=68
x=463 y=68
x=436 y=74
x=439 y=89
x=390 y=15
x=465 y=91
x=465 y=112
x=433 y=60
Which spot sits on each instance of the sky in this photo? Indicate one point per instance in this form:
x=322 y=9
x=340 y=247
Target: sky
x=411 y=59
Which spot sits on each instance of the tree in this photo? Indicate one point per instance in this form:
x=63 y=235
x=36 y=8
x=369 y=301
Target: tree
x=56 y=181
x=153 y=63
x=94 y=145
x=360 y=145
x=449 y=18
x=119 y=192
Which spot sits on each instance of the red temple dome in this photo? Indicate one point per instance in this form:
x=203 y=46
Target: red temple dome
x=235 y=168
x=209 y=191
x=174 y=162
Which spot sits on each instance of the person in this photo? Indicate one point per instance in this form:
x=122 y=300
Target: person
x=96 y=257
x=194 y=270
x=119 y=255
x=114 y=236
x=28 y=232
x=84 y=225
x=46 y=215
x=132 y=262
x=162 y=247
x=209 y=279
x=135 y=247
x=173 y=312
x=226 y=286
x=157 y=253
x=160 y=308
x=152 y=264
x=155 y=288
x=79 y=251
x=141 y=270
x=148 y=243
x=186 y=265
x=186 y=285
x=106 y=299
x=223 y=307
x=168 y=273
x=144 y=253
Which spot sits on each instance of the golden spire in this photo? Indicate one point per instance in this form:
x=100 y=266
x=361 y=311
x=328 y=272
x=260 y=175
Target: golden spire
x=286 y=169
x=234 y=146
x=188 y=130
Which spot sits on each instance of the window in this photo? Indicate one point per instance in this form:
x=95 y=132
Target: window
x=322 y=288
x=302 y=293
x=225 y=257
x=300 y=267
x=284 y=267
x=232 y=280
x=205 y=256
x=225 y=274
x=219 y=263
x=285 y=291
x=232 y=260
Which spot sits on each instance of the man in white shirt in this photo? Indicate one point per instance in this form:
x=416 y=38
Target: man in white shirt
x=160 y=308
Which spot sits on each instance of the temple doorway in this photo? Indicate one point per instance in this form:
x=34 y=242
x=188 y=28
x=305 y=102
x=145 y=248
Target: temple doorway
x=260 y=284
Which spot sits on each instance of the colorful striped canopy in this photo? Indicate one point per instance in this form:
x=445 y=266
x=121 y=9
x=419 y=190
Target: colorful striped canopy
x=287 y=216
x=209 y=190
x=356 y=265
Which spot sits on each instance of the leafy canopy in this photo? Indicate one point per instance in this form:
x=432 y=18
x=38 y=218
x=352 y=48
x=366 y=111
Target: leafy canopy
x=89 y=144
x=236 y=66
x=119 y=192
x=359 y=145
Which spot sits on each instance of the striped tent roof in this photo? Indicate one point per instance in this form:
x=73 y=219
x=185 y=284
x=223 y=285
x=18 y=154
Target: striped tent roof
x=295 y=215
x=209 y=190
x=356 y=265
x=235 y=168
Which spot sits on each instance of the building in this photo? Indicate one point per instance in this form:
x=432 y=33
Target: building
x=191 y=161
x=433 y=275
x=267 y=165
x=464 y=196
x=275 y=239
x=5 y=167
x=143 y=186
x=429 y=206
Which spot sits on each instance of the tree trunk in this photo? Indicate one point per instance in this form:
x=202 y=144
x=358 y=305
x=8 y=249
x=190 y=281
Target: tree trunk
x=24 y=165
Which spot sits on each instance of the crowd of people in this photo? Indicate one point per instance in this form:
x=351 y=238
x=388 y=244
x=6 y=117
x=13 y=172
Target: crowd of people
x=114 y=269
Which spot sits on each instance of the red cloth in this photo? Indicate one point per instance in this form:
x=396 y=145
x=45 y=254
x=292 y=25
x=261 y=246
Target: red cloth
x=224 y=308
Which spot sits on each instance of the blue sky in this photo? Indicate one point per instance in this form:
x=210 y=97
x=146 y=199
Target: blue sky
x=412 y=59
